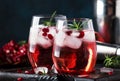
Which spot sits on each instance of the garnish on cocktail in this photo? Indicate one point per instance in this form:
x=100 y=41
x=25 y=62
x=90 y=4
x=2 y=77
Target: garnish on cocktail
x=49 y=22
x=74 y=50
x=78 y=25
x=41 y=43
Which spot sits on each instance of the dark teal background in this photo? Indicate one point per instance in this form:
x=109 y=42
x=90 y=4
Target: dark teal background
x=16 y=15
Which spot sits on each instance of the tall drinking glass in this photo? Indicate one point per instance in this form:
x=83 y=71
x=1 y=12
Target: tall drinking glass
x=74 y=49
x=41 y=39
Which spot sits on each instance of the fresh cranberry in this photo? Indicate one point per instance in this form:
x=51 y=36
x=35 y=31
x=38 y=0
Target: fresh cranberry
x=81 y=35
x=7 y=48
x=27 y=72
x=45 y=30
x=12 y=43
x=18 y=60
x=68 y=32
x=23 y=49
x=44 y=34
x=20 y=79
x=10 y=47
x=14 y=53
x=50 y=36
x=9 y=51
x=110 y=73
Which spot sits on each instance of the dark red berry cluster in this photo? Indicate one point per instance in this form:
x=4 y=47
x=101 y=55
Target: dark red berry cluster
x=13 y=53
x=45 y=33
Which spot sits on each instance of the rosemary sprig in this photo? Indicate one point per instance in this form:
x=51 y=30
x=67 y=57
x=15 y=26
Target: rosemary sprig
x=52 y=16
x=78 y=25
x=112 y=61
x=49 y=22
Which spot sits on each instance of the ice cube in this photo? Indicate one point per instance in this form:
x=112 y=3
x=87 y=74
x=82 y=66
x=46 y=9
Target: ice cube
x=89 y=36
x=72 y=42
x=44 y=42
x=52 y=31
x=74 y=33
x=59 y=38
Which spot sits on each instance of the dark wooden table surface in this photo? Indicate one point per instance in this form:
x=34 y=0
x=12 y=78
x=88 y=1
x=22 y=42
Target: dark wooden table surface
x=12 y=75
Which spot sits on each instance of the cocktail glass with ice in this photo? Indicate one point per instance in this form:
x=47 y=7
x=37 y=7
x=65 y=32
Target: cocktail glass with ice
x=74 y=49
x=41 y=39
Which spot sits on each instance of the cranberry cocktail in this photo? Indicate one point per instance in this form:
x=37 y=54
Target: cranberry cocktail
x=74 y=50
x=41 y=38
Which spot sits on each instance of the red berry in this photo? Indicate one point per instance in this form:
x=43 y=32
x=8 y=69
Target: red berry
x=45 y=30
x=44 y=34
x=23 y=49
x=27 y=72
x=50 y=36
x=19 y=79
x=10 y=49
x=12 y=43
x=110 y=73
x=18 y=60
x=81 y=35
x=13 y=52
x=7 y=51
x=68 y=32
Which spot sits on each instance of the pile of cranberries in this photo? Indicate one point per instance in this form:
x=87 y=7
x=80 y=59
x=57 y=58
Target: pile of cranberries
x=13 y=53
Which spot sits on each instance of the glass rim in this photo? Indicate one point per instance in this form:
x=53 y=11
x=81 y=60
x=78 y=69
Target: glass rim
x=77 y=24
x=48 y=15
x=82 y=18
